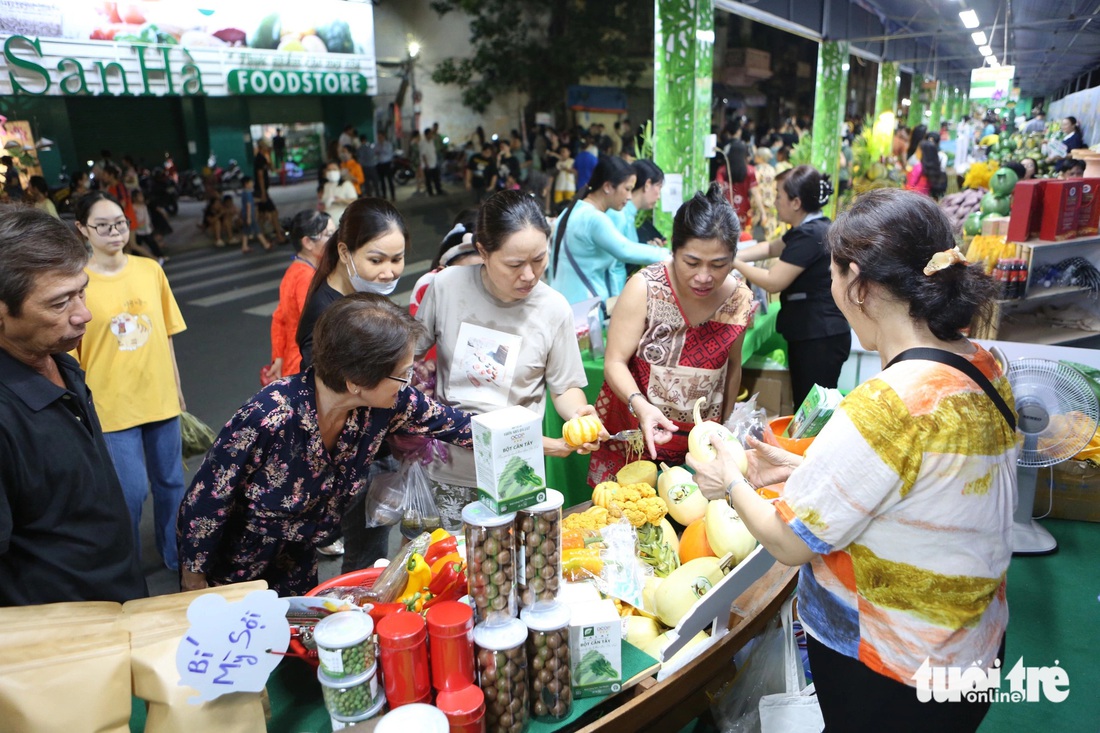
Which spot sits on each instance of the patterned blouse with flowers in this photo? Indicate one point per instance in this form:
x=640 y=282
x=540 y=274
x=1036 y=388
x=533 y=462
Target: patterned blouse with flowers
x=269 y=492
x=675 y=364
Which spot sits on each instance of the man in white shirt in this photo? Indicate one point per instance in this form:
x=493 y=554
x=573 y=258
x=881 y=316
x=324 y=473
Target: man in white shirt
x=430 y=158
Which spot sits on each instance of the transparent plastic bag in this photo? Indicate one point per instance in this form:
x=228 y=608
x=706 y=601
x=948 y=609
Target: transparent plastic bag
x=760 y=672
x=623 y=575
x=384 y=498
x=747 y=419
x=419 y=512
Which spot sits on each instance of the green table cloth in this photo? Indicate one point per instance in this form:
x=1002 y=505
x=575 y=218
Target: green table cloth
x=570 y=475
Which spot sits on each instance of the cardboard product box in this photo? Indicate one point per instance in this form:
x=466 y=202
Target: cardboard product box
x=595 y=649
x=995 y=226
x=772 y=383
x=1088 y=214
x=1027 y=211
x=1076 y=493
x=1061 y=202
x=508 y=457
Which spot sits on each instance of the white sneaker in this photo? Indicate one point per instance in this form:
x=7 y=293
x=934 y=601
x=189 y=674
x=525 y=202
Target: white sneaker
x=332 y=550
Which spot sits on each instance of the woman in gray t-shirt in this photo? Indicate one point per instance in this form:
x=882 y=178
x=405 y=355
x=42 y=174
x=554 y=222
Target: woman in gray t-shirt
x=503 y=338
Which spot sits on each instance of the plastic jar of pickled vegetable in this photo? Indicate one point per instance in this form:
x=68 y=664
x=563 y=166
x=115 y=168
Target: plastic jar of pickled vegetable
x=490 y=562
x=538 y=549
x=345 y=647
x=551 y=687
x=502 y=674
x=340 y=722
x=451 y=636
x=465 y=709
x=403 y=653
x=350 y=697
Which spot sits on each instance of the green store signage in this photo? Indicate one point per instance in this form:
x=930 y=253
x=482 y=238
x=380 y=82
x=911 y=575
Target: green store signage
x=265 y=81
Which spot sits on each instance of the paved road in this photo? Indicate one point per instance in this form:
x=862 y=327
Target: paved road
x=227 y=299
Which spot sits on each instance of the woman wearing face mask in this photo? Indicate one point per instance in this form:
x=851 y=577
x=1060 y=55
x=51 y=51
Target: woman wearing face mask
x=588 y=251
x=337 y=193
x=648 y=179
x=675 y=336
x=282 y=473
x=128 y=355
x=365 y=255
x=308 y=233
x=818 y=337
x=503 y=338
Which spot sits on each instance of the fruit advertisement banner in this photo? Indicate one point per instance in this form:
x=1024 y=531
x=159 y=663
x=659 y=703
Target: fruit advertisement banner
x=187 y=47
x=993 y=83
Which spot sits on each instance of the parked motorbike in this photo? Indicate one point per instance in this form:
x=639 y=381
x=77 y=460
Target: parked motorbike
x=231 y=177
x=191 y=185
x=403 y=170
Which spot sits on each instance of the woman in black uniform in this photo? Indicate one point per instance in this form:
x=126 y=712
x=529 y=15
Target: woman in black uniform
x=818 y=336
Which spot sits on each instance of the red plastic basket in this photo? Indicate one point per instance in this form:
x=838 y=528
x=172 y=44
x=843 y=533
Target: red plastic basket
x=359 y=578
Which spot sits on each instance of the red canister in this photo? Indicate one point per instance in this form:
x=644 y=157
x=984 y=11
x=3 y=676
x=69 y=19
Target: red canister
x=403 y=651
x=451 y=630
x=465 y=709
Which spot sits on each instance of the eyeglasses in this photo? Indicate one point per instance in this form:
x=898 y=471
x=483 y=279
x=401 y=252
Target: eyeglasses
x=104 y=230
x=405 y=380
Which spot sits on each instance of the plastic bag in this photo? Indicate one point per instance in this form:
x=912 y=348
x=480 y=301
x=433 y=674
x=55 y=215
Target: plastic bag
x=197 y=436
x=623 y=575
x=384 y=498
x=747 y=419
x=760 y=672
x=418 y=510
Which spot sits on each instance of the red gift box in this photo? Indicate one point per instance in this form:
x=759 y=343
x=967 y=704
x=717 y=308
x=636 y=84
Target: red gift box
x=1027 y=210
x=1088 y=213
x=1061 y=202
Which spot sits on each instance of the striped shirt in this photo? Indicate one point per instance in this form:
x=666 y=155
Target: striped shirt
x=907 y=497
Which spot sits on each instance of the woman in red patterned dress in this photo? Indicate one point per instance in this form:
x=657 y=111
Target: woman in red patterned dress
x=676 y=336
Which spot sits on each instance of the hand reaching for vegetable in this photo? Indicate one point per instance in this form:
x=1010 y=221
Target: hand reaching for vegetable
x=769 y=464
x=713 y=477
x=656 y=428
x=192 y=581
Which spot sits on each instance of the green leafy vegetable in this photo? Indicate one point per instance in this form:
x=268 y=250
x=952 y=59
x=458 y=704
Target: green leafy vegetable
x=654 y=551
x=518 y=478
x=593 y=669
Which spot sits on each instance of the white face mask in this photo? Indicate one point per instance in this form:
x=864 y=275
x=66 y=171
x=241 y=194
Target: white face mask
x=333 y=176
x=366 y=286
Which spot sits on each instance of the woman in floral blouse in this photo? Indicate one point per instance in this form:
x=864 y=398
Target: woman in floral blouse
x=281 y=473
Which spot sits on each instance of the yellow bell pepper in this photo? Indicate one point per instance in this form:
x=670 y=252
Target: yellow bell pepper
x=442 y=562
x=577 y=564
x=437 y=535
x=420 y=576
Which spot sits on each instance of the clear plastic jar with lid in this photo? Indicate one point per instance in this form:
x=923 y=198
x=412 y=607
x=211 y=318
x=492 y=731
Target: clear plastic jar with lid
x=415 y=718
x=350 y=697
x=340 y=722
x=403 y=652
x=538 y=546
x=491 y=562
x=465 y=709
x=451 y=637
x=345 y=647
x=548 y=661
x=502 y=674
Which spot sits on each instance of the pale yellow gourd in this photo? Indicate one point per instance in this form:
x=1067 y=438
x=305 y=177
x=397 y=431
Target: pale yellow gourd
x=699 y=440
x=654 y=647
x=638 y=472
x=677 y=487
x=581 y=430
x=649 y=594
x=640 y=630
x=668 y=534
x=727 y=533
x=684 y=586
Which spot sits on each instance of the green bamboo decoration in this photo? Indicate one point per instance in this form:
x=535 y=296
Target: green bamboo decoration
x=683 y=58
x=916 y=102
x=830 y=94
x=939 y=99
x=886 y=91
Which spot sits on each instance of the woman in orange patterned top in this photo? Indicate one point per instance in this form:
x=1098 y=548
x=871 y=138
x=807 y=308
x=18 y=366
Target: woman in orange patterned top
x=676 y=336
x=900 y=514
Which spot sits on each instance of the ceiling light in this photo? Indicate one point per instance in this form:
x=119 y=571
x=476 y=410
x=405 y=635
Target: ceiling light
x=979 y=38
x=985 y=50
x=969 y=18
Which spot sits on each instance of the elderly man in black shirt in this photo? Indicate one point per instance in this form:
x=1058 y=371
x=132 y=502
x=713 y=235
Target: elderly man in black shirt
x=64 y=527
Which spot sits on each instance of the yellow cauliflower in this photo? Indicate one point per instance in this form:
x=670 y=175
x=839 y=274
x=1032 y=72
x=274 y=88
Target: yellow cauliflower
x=637 y=502
x=596 y=517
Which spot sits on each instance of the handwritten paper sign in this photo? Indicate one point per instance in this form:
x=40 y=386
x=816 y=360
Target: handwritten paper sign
x=227 y=647
x=672 y=192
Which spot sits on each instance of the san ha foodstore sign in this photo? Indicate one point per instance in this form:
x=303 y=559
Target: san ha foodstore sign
x=177 y=48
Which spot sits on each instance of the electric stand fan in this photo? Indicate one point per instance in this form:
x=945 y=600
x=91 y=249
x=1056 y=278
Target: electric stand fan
x=1057 y=415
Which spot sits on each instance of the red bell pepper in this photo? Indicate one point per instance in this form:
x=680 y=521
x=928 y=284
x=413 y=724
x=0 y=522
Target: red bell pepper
x=440 y=548
x=449 y=585
x=378 y=611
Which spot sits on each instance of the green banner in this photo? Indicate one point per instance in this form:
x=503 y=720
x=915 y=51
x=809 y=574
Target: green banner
x=276 y=82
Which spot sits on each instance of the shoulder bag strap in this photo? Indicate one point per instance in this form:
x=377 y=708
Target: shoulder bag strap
x=964 y=366
x=560 y=234
x=561 y=245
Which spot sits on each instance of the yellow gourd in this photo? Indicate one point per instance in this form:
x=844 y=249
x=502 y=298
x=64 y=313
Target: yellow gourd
x=581 y=430
x=603 y=494
x=649 y=594
x=668 y=534
x=685 y=585
x=654 y=647
x=699 y=440
x=638 y=472
x=640 y=630
x=727 y=533
x=678 y=488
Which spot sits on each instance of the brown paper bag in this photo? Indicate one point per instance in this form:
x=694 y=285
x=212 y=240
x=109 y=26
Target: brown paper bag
x=157 y=626
x=66 y=679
